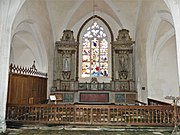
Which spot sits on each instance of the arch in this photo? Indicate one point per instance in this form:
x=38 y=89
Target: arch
x=115 y=20
x=112 y=23
x=160 y=44
x=110 y=33
x=109 y=2
x=100 y=18
x=160 y=16
x=31 y=27
x=153 y=49
x=71 y=12
x=19 y=45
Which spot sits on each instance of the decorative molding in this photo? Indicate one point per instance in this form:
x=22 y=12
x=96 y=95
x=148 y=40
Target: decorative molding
x=123 y=75
x=66 y=75
x=123 y=50
x=68 y=36
x=67 y=42
x=123 y=40
x=27 y=71
x=94 y=80
x=66 y=52
x=89 y=19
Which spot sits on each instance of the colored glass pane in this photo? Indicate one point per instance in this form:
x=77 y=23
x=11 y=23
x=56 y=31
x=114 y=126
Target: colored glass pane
x=94 y=52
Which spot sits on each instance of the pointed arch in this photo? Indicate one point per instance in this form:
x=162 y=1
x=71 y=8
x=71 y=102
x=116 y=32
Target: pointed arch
x=110 y=38
x=100 y=18
x=29 y=26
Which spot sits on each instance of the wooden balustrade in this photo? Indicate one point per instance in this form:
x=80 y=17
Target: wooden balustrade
x=92 y=114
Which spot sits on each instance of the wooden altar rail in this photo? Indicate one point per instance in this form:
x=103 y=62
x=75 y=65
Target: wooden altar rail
x=92 y=114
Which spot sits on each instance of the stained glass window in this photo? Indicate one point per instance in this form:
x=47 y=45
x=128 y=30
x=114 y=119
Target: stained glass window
x=95 y=52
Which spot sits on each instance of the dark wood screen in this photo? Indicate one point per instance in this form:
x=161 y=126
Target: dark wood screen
x=25 y=88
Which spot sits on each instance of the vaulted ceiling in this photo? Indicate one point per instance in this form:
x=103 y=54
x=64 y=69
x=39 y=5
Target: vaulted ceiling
x=45 y=20
x=118 y=13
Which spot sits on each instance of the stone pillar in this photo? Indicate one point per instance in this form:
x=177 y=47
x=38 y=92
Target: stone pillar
x=116 y=67
x=8 y=11
x=131 y=66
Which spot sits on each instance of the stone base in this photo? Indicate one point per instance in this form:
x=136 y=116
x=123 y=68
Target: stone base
x=95 y=97
x=2 y=126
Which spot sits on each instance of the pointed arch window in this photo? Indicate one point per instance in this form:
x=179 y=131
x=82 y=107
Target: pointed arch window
x=95 y=52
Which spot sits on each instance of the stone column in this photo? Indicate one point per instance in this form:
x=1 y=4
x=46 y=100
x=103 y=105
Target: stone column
x=8 y=11
x=130 y=66
x=116 y=62
x=73 y=68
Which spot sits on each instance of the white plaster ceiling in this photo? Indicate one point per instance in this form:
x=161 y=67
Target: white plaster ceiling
x=65 y=14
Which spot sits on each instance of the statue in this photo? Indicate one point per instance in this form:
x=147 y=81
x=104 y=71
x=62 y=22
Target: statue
x=66 y=64
x=123 y=61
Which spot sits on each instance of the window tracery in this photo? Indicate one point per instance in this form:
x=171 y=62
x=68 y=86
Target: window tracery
x=95 y=52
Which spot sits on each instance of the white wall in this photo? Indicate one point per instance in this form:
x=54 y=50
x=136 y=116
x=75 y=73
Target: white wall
x=154 y=27
x=6 y=18
x=165 y=78
x=33 y=38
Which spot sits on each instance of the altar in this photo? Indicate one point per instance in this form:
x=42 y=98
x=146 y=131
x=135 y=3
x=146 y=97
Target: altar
x=120 y=89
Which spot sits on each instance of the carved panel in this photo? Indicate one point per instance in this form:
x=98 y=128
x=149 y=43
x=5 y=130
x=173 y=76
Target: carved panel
x=65 y=86
x=122 y=49
x=82 y=86
x=67 y=36
x=94 y=86
x=123 y=39
x=130 y=98
x=58 y=84
x=124 y=86
x=132 y=86
x=68 y=97
x=66 y=75
x=107 y=86
x=119 y=98
x=117 y=86
x=65 y=58
x=123 y=74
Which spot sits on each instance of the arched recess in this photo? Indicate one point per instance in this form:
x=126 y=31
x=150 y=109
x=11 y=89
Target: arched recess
x=159 y=17
x=164 y=75
x=110 y=36
x=174 y=7
x=28 y=43
x=157 y=43
x=22 y=49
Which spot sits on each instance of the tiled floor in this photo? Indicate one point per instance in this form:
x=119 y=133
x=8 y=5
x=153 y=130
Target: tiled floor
x=64 y=132
x=87 y=131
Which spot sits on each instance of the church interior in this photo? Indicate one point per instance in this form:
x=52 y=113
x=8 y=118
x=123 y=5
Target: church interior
x=92 y=62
